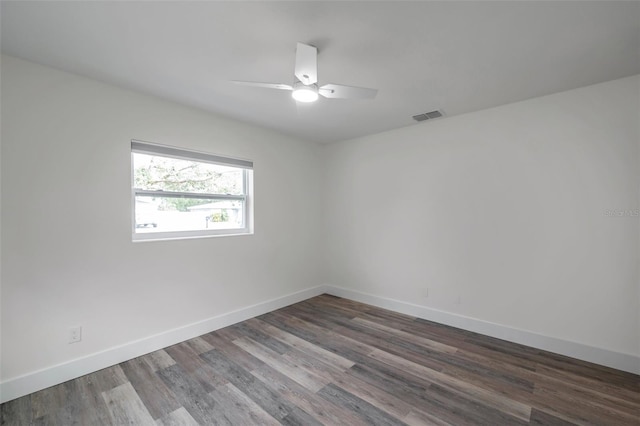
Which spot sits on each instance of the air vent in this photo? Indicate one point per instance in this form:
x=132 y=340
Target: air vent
x=428 y=115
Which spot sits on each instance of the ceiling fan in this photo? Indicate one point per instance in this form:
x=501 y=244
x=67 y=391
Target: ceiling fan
x=305 y=86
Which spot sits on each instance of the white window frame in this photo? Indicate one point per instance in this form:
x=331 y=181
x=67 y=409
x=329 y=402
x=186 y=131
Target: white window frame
x=149 y=148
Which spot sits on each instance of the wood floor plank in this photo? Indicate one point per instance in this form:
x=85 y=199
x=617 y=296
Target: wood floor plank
x=369 y=413
x=153 y=392
x=458 y=408
x=71 y=411
x=486 y=374
x=442 y=333
x=420 y=418
x=332 y=361
x=539 y=417
x=500 y=402
x=304 y=376
x=323 y=337
x=47 y=401
x=314 y=316
x=244 y=329
x=192 y=396
x=592 y=372
x=370 y=331
x=408 y=337
x=61 y=404
x=17 y=411
x=392 y=380
x=125 y=407
x=94 y=408
x=382 y=316
x=179 y=417
x=249 y=385
x=385 y=401
x=199 y=345
x=158 y=360
x=190 y=360
x=572 y=408
x=298 y=396
x=299 y=417
x=229 y=333
x=391 y=345
x=455 y=411
x=107 y=378
x=498 y=357
x=302 y=345
x=239 y=408
x=231 y=351
x=526 y=374
x=331 y=306
x=504 y=346
x=620 y=401
x=545 y=373
x=281 y=320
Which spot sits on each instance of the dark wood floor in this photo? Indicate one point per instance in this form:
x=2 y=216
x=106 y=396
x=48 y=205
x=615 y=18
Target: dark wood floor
x=333 y=361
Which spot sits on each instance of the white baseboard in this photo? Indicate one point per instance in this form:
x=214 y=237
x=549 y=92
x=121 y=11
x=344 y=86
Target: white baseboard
x=617 y=360
x=41 y=379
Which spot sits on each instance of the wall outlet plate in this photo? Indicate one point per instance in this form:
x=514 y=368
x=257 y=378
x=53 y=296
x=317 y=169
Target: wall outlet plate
x=75 y=334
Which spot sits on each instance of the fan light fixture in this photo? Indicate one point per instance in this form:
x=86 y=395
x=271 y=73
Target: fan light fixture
x=302 y=93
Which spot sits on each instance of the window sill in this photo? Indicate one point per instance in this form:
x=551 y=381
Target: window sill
x=188 y=235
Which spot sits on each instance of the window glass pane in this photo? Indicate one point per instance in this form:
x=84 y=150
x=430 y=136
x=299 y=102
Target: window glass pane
x=152 y=172
x=163 y=214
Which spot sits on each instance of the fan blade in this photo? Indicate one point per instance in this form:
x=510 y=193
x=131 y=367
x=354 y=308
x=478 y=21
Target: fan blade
x=347 y=92
x=306 y=64
x=265 y=85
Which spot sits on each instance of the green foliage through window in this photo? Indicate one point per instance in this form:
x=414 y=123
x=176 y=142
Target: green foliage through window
x=157 y=173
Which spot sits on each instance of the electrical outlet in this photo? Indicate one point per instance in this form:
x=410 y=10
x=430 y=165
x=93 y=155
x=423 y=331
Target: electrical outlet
x=458 y=300
x=75 y=334
x=425 y=293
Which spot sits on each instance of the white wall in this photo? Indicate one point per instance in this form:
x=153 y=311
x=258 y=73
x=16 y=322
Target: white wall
x=67 y=254
x=504 y=208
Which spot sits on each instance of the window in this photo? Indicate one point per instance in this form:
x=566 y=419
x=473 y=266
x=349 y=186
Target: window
x=180 y=194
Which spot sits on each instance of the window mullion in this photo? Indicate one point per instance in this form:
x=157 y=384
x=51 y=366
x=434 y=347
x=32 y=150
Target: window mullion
x=198 y=195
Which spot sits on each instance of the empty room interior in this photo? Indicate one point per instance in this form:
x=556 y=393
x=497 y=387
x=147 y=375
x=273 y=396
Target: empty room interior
x=320 y=213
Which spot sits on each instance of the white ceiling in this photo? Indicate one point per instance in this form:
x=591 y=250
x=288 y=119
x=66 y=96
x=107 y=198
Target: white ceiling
x=454 y=56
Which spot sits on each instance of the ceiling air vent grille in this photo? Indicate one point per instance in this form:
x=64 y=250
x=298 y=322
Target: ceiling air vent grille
x=428 y=116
